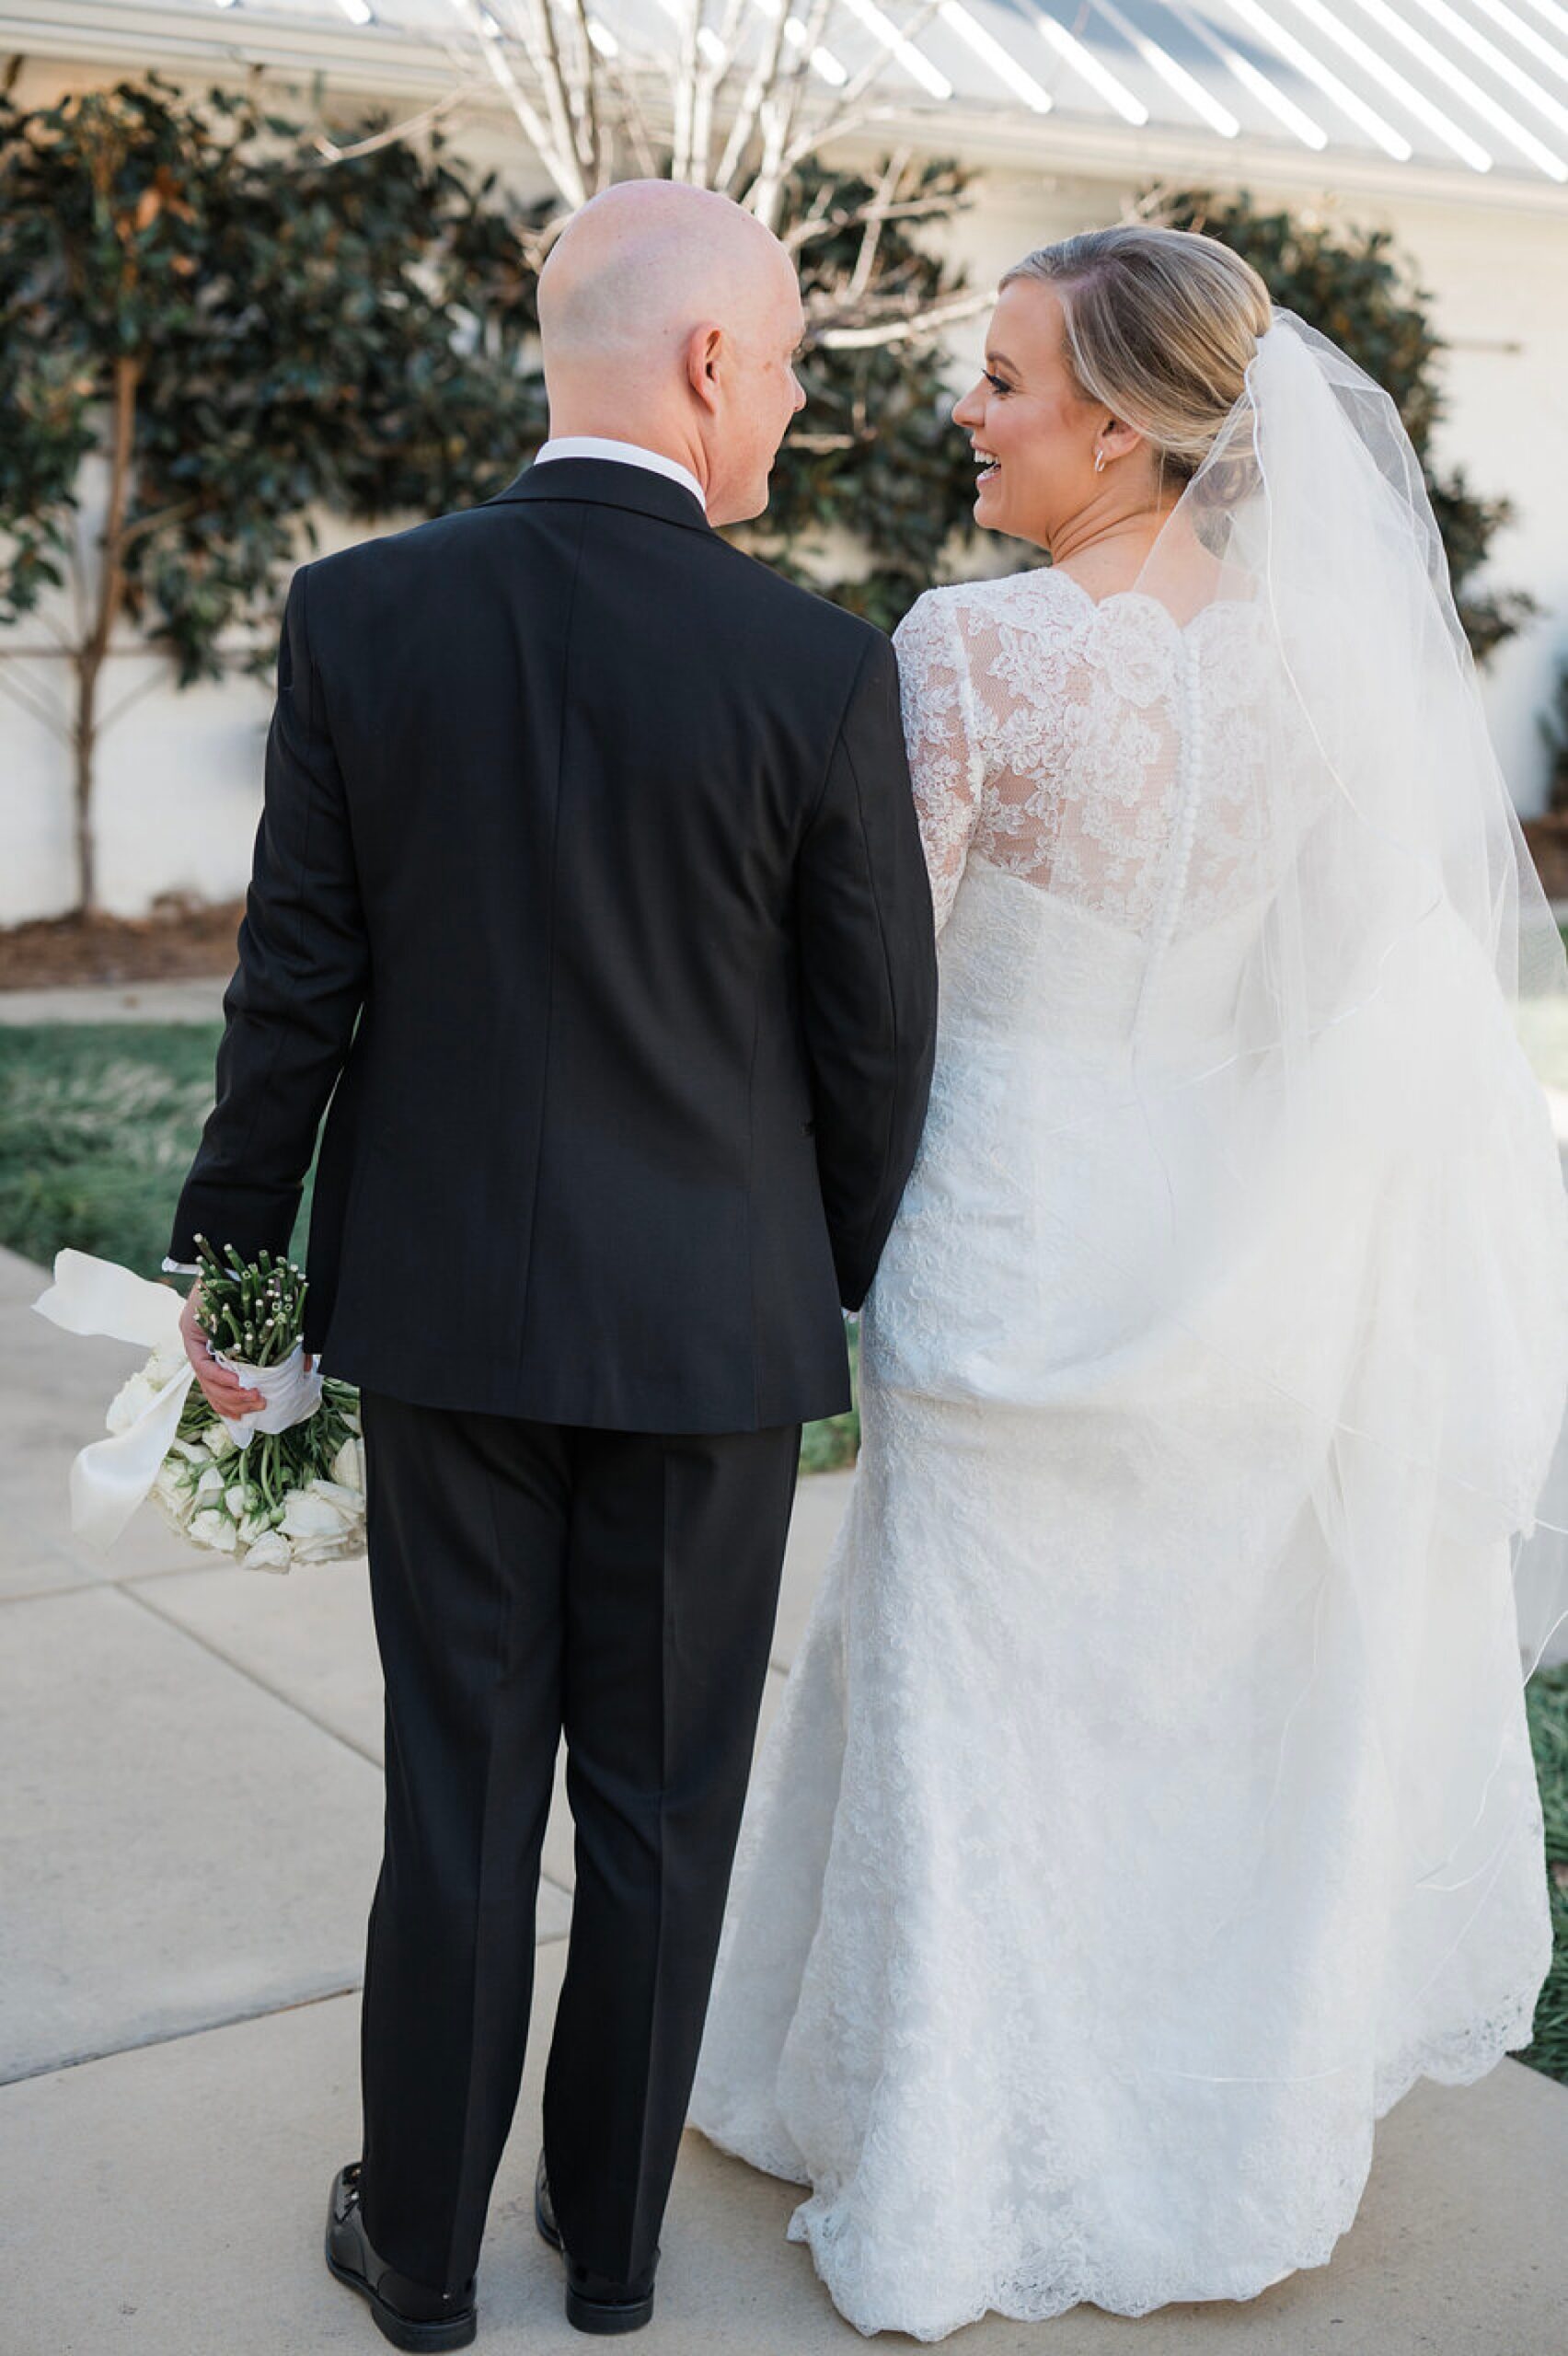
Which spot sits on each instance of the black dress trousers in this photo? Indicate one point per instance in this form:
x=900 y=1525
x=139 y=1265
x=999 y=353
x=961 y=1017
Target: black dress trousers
x=530 y=1579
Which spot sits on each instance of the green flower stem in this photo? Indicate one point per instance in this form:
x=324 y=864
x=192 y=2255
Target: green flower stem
x=238 y=1300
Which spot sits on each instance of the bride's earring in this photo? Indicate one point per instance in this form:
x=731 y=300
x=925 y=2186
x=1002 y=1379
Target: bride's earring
x=1100 y=462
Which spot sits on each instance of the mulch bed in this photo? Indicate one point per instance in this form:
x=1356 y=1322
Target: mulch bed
x=194 y=940
x=180 y=940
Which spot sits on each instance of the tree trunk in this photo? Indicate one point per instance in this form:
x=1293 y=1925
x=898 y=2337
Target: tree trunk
x=84 y=739
x=90 y=655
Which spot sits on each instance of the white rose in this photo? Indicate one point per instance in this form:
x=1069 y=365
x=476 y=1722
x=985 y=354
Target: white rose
x=219 y=1440
x=209 y=1486
x=191 y=1451
x=348 y=1467
x=269 y=1553
x=172 y=1491
x=213 y=1529
x=167 y=1360
x=236 y=1497
x=131 y=1402
x=348 y=1502
x=320 y=1550
x=254 y=1527
x=306 y=1516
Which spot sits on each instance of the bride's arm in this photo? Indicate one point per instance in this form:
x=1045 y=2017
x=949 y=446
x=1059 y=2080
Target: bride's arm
x=941 y=739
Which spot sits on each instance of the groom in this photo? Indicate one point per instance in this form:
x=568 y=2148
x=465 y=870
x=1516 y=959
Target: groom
x=589 y=891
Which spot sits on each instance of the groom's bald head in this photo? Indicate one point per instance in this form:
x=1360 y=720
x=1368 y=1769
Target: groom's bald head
x=647 y=261
x=670 y=317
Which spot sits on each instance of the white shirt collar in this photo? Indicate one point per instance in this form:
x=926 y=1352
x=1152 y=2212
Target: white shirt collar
x=624 y=454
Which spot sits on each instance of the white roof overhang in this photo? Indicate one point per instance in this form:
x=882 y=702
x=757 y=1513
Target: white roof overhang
x=1428 y=98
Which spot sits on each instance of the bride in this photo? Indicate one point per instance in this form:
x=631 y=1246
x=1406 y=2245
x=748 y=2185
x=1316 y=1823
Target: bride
x=1150 y=1804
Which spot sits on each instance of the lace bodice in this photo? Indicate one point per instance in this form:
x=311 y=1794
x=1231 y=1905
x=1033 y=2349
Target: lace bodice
x=1100 y=751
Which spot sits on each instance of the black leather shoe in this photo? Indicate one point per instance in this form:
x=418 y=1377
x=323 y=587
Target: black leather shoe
x=592 y=2302
x=406 y=2313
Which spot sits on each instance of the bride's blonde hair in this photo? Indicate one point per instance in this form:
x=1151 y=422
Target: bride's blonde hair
x=1160 y=325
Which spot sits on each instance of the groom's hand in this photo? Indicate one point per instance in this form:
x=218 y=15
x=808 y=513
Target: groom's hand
x=223 y=1391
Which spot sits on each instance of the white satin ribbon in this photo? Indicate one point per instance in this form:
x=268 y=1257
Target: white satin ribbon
x=111 y=1477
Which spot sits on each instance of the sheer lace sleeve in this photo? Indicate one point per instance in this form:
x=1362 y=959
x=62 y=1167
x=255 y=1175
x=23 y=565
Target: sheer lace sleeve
x=939 y=730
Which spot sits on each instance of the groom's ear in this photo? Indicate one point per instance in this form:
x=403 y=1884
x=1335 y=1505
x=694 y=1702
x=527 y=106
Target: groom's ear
x=705 y=354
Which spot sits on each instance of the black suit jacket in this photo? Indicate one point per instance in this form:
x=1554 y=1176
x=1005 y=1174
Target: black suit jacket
x=588 y=888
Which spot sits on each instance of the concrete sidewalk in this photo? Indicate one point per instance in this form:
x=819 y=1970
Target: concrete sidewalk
x=186 y=1001
x=190 y=1822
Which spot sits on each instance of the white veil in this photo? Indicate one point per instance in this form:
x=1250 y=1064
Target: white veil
x=1356 y=1288
x=1393 y=956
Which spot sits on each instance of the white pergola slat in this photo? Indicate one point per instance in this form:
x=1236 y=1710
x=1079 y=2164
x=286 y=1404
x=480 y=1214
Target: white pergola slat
x=1468 y=91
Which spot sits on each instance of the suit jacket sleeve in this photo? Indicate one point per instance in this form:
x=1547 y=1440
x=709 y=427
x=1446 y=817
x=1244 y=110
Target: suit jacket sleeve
x=867 y=974
x=303 y=965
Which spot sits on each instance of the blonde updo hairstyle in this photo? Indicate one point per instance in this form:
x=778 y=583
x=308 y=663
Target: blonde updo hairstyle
x=1160 y=325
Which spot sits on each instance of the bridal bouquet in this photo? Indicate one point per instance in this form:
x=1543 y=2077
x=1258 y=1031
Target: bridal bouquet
x=283 y=1485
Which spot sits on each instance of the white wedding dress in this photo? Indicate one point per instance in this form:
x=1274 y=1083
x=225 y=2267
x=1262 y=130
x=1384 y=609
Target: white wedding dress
x=1150 y=1802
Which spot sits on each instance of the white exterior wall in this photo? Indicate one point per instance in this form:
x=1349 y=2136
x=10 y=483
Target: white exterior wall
x=177 y=788
x=179 y=777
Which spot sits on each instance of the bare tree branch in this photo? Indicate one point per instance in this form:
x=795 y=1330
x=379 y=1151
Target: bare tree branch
x=597 y=146
x=776 y=124
x=76 y=571
x=64 y=644
x=681 y=88
x=875 y=214
x=900 y=329
x=817 y=135
x=809 y=224
x=24 y=693
x=393 y=131
x=154 y=678
x=562 y=167
x=816 y=25
x=582 y=106
x=544 y=51
x=635 y=121
x=821 y=223
x=749 y=114
x=713 y=72
x=155 y=521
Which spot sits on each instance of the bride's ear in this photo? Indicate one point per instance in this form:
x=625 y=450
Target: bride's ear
x=1115 y=440
x=705 y=354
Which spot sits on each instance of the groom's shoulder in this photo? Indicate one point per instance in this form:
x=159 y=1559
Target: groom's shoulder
x=418 y=545
x=755 y=598
x=804 y=615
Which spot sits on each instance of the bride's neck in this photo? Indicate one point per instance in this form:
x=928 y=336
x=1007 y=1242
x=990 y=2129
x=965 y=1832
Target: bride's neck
x=1098 y=549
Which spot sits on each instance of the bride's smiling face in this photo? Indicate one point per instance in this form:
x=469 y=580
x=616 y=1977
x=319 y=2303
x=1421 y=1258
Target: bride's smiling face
x=1035 y=431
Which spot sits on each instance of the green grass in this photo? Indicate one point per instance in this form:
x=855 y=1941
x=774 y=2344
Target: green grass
x=97 y=1125
x=829 y=1446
